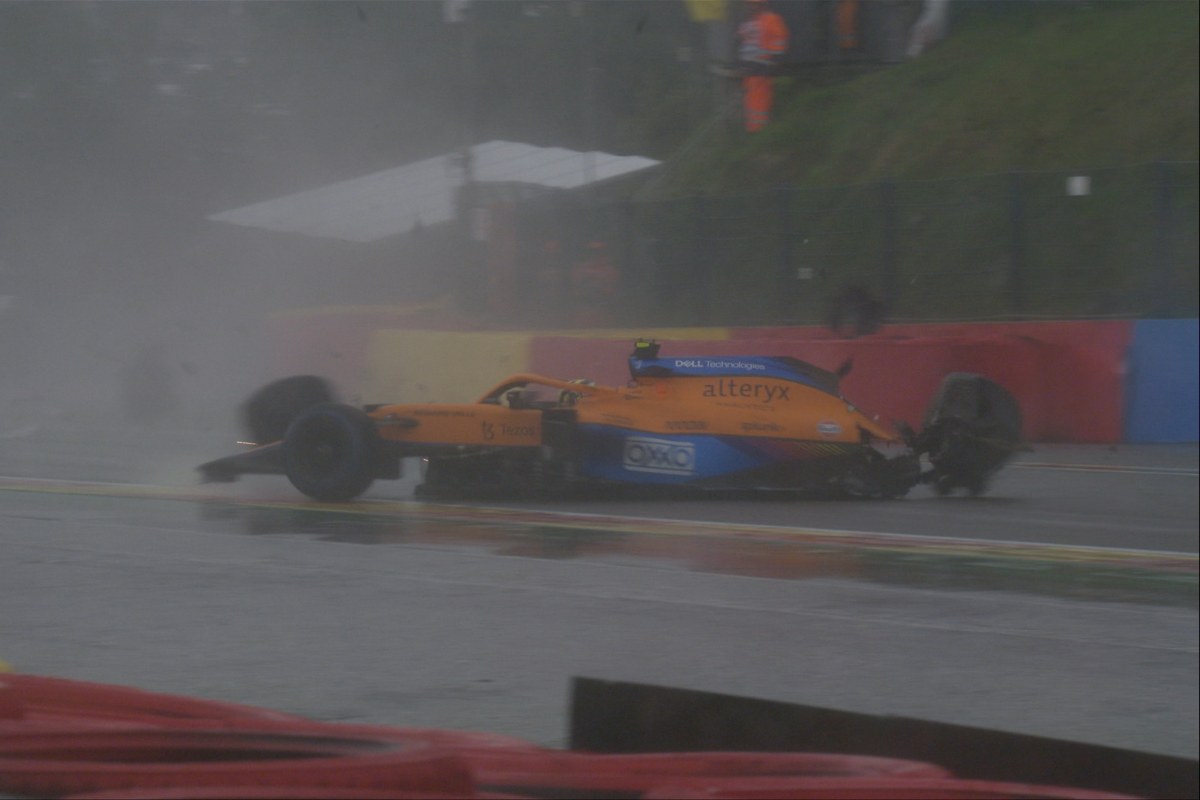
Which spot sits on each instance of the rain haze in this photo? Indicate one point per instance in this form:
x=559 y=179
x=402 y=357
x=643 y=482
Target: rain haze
x=879 y=401
x=129 y=126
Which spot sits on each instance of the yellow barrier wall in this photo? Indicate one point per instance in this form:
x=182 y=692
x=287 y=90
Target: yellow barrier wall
x=440 y=366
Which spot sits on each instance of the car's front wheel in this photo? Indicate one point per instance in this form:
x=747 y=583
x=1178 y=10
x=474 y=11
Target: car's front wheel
x=330 y=452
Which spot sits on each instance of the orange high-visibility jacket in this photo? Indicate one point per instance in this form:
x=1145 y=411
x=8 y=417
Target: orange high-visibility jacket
x=764 y=37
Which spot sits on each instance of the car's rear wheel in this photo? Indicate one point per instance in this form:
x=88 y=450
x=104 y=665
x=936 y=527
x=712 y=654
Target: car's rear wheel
x=269 y=411
x=971 y=430
x=331 y=452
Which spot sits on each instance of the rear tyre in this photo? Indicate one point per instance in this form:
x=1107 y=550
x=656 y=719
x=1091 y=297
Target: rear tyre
x=331 y=452
x=270 y=410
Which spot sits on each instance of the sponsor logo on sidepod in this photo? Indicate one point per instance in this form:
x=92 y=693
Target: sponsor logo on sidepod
x=659 y=455
x=828 y=428
x=762 y=392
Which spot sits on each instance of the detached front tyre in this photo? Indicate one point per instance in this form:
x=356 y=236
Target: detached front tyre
x=331 y=452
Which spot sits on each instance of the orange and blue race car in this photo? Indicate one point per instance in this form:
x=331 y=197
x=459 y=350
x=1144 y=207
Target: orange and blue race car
x=692 y=422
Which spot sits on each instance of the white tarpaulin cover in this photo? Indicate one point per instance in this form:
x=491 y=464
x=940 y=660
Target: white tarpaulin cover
x=396 y=200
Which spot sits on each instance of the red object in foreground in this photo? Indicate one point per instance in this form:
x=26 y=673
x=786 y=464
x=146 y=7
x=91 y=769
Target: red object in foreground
x=61 y=763
x=465 y=743
x=33 y=702
x=275 y=793
x=64 y=738
x=866 y=789
x=551 y=773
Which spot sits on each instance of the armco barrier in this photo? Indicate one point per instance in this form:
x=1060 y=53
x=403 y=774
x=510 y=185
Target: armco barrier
x=1161 y=387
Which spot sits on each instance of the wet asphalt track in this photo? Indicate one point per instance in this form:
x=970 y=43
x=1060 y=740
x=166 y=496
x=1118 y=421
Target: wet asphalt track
x=1063 y=604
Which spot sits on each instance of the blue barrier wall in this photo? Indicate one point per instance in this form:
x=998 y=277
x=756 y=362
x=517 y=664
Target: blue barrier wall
x=1161 y=389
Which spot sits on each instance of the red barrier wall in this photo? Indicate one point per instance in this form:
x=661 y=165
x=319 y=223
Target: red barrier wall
x=1076 y=393
x=896 y=378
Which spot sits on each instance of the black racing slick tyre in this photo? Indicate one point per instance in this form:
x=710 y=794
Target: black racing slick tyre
x=331 y=452
x=269 y=411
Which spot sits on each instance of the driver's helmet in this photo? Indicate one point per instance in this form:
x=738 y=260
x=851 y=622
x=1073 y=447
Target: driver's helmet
x=645 y=348
x=520 y=398
x=568 y=397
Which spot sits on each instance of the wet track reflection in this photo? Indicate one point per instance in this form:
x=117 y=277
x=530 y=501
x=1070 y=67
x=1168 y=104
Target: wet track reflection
x=475 y=615
x=754 y=551
x=762 y=551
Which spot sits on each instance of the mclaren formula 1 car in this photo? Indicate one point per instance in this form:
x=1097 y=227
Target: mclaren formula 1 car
x=705 y=423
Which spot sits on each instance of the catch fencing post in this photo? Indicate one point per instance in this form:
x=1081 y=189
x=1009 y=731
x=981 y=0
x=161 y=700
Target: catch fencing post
x=787 y=278
x=632 y=281
x=1016 y=253
x=891 y=236
x=1161 y=300
x=701 y=265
